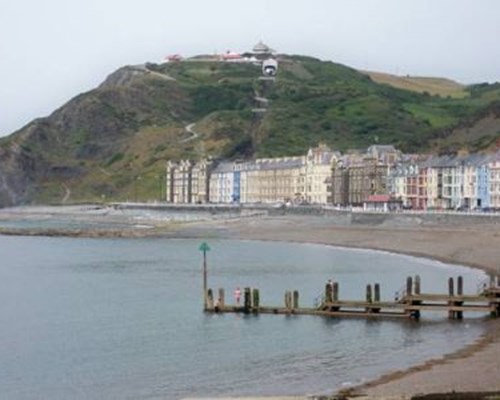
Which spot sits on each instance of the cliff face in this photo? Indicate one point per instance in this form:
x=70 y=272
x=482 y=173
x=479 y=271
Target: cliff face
x=80 y=137
x=17 y=176
x=111 y=143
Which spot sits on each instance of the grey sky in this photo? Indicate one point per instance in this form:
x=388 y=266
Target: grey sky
x=52 y=50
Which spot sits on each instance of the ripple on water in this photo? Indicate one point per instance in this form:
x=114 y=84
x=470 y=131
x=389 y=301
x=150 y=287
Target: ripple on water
x=121 y=318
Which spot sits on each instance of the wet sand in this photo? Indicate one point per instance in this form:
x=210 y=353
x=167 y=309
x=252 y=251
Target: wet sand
x=475 y=368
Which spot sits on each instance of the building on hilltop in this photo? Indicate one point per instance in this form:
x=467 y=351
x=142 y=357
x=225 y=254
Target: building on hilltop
x=262 y=51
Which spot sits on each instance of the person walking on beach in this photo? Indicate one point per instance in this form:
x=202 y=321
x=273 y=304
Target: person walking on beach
x=237 y=295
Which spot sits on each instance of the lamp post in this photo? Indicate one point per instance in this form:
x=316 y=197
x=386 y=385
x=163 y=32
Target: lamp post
x=204 y=248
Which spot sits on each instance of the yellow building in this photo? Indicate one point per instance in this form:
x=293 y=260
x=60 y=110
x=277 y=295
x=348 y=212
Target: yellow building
x=296 y=179
x=319 y=164
x=271 y=180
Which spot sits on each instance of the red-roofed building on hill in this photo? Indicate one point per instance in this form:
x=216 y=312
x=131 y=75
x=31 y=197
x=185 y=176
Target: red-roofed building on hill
x=173 y=58
x=231 y=56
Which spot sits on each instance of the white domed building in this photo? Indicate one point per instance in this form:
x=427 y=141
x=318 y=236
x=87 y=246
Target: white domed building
x=262 y=51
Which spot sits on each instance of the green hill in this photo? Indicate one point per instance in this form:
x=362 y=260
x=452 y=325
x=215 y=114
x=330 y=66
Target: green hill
x=434 y=86
x=111 y=143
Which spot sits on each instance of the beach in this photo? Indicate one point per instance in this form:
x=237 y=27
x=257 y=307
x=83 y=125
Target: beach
x=474 y=368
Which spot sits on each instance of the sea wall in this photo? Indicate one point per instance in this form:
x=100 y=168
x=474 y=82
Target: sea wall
x=392 y=219
x=338 y=217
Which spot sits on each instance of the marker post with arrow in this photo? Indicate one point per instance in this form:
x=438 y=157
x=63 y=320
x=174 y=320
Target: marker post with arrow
x=204 y=247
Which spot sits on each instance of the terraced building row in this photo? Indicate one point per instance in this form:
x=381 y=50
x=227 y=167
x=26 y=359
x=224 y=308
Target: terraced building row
x=323 y=176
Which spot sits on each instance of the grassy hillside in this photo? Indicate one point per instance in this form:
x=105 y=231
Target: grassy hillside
x=112 y=142
x=434 y=86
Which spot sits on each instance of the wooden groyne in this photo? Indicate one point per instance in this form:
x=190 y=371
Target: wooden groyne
x=409 y=302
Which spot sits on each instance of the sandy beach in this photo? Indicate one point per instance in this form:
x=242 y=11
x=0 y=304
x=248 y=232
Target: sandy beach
x=475 y=368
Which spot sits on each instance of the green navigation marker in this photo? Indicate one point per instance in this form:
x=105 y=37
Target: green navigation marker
x=204 y=247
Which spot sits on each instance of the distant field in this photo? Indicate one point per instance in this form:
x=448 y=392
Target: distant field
x=435 y=86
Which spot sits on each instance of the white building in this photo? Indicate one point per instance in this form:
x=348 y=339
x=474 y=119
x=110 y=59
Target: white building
x=222 y=183
x=494 y=182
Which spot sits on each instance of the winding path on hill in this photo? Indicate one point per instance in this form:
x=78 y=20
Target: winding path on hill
x=264 y=103
x=67 y=193
x=189 y=129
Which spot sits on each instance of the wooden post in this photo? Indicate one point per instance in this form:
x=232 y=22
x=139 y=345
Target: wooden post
x=409 y=285
x=247 y=300
x=256 y=298
x=335 y=291
x=460 y=292
x=210 y=299
x=369 y=298
x=495 y=296
x=451 y=290
x=376 y=297
x=288 y=300
x=377 y=292
x=417 y=284
x=328 y=293
x=295 y=299
x=451 y=293
x=222 y=300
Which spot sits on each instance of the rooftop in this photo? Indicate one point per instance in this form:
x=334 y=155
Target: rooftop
x=261 y=48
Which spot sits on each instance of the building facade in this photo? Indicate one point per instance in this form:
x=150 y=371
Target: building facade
x=322 y=176
x=494 y=182
x=187 y=182
x=354 y=180
x=298 y=179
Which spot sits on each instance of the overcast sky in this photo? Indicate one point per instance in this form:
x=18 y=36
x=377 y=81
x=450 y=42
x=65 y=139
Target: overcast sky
x=51 y=50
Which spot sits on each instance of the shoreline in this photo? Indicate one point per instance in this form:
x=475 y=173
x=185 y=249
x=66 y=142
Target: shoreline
x=487 y=338
x=466 y=245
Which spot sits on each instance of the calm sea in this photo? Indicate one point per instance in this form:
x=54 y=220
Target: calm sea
x=122 y=319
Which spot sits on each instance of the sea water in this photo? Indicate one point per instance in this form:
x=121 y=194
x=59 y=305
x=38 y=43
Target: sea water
x=123 y=319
